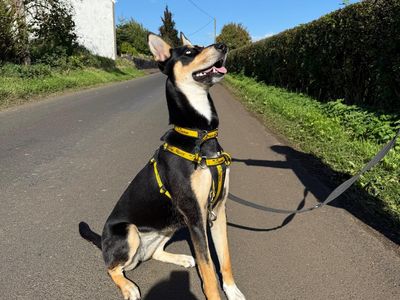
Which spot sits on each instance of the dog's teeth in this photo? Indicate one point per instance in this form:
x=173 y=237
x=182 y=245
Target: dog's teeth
x=201 y=74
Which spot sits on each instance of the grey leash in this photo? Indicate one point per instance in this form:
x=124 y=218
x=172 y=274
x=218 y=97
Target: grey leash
x=333 y=195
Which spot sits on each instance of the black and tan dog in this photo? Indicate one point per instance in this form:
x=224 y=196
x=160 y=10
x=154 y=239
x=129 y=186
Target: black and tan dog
x=184 y=184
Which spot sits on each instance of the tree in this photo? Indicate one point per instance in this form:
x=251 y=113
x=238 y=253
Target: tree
x=53 y=28
x=167 y=30
x=234 y=36
x=132 y=37
x=7 y=48
x=37 y=30
x=21 y=30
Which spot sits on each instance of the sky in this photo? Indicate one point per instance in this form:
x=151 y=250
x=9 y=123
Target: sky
x=262 y=18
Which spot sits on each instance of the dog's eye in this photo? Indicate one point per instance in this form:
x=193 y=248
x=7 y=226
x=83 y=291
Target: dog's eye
x=188 y=52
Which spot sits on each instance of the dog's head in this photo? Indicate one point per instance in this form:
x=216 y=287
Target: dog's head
x=189 y=64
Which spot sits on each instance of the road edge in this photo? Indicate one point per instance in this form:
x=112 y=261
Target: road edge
x=39 y=99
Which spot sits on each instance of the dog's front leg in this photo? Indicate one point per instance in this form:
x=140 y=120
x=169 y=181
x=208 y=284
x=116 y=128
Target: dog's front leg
x=204 y=261
x=194 y=210
x=220 y=239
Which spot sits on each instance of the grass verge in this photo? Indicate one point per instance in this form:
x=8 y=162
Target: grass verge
x=15 y=89
x=342 y=138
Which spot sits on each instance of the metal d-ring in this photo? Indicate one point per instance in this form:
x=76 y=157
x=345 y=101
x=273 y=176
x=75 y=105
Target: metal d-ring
x=211 y=217
x=203 y=162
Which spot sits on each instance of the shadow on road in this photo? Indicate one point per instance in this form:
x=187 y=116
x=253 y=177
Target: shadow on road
x=176 y=287
x=356 y=201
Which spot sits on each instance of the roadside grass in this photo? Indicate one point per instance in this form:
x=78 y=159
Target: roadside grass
x=17 y=89
x=344 y=138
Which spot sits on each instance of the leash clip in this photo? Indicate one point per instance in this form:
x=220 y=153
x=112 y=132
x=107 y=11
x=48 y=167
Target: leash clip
x=211 y=217
x=317 y=206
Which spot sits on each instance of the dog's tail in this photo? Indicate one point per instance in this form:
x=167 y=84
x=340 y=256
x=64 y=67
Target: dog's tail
x=89 y=235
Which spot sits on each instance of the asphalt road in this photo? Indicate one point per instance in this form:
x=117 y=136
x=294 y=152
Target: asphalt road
x=68 y=159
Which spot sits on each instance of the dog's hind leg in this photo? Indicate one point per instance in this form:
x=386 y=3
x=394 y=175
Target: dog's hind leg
x=160 y=254
x=119 y=251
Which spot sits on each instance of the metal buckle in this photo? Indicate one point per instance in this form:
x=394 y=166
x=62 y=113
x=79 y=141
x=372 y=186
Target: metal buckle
x=202 y=134
x=203 y=162
x=211 y=217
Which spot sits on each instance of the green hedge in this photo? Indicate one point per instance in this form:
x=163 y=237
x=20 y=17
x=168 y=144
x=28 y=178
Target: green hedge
x=351 y=54
x=52 y=63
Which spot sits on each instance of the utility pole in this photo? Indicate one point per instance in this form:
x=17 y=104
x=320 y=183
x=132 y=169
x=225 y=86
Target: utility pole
x=215 y=30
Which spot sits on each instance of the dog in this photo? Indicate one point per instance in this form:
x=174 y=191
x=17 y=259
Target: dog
x=184 y=184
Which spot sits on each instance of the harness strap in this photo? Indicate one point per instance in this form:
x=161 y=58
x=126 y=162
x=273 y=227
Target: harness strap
x=215 y=193
x=196 y=134
x=163 y=190
x=219 y=183
x=203 y=161
x=196 y=158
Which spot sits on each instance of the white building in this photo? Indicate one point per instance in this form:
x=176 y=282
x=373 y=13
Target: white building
x=95 y=26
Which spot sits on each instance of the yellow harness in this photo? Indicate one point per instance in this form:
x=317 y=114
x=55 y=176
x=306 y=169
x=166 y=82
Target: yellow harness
x=202 y=161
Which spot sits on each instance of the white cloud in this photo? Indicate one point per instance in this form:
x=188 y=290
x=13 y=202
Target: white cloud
x=257 y=38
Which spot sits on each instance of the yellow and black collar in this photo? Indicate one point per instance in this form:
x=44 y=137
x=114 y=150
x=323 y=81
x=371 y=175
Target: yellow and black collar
x=197 y=134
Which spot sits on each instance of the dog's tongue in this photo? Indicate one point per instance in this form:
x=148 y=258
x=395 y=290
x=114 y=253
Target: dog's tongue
x=221 y=69
x=214 y=69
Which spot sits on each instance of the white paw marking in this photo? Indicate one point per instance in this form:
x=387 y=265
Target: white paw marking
x=186 y=261
x=233 y=293
x=131 y=292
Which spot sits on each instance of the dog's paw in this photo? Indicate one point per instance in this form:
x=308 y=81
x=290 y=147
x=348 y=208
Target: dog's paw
x=186 y=261
x=233 y=293
x=130 y=292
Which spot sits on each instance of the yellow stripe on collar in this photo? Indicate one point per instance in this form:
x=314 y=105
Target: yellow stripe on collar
x=195 y=133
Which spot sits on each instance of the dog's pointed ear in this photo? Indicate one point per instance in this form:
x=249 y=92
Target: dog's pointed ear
x=185 y=41
x=159 y=48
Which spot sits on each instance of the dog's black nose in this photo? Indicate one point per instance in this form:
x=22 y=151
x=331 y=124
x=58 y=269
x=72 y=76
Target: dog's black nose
x=221 y=47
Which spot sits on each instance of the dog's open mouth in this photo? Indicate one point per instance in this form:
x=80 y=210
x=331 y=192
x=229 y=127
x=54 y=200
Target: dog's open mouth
x=216 y=70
